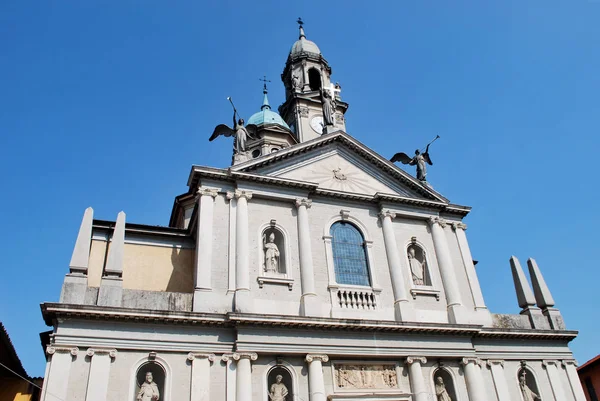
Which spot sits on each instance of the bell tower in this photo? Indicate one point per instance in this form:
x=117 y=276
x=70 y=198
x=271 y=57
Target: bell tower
x=313 y=105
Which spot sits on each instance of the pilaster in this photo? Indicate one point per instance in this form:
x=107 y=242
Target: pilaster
x=200 y=386
x=475 y=386
x=243 y=302
x=309 y=304
x=97 y=386
x=204 y=247
x=570 y=367
x=243 y=389
x=57 y=381
x=500 y=384
x=403 y=309
x=316 y=382
x=417 y=381
x=456 y=311
x=551 y=367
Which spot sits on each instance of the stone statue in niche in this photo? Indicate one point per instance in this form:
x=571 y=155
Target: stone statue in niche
x=366 y=376
x=528 y=395
x=296 y=84
x=417 y=267
x=271 y=254
x=328 y=108
x=278 y=390
x=148 y=390
x=440 y=390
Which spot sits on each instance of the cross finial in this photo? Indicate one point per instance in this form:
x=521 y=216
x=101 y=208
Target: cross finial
x=300 y=25
x=264 y=80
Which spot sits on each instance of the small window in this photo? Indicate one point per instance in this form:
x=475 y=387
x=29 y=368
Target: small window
x=314 y=79
x=349 y=255
x=255 y=153
x=150 y=382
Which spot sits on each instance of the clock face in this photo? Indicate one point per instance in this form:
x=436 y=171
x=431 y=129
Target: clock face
x=317 y=124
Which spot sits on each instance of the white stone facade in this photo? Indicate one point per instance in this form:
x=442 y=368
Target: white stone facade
x=195 y=305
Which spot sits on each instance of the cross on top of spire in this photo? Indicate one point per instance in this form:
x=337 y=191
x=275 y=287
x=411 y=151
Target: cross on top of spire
x=265 y=104
x=300 y=25
x=264 y=80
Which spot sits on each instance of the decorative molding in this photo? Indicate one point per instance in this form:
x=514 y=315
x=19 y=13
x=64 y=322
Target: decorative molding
x=345 y=214
x=316 y=357
x=52 y=349
x=466 y=361
x=229 y=195
x=200 y=355
x=275 y=280
x=253 y=356
x=302 y=111
x=204 y=191
x=458 y=225
x=435 y=219
x=546 y=363
x=152 y=355
x=100 y=351
x=426 y=292
x=303 y=202
x=387 y=213
x=566 y=362
x=242 y=194
x=412 y=359
x=492 y=362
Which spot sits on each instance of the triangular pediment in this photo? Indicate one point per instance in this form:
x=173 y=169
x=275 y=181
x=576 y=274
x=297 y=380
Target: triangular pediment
x=338 y=162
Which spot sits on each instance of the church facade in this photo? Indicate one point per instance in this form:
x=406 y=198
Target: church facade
x=312 y=269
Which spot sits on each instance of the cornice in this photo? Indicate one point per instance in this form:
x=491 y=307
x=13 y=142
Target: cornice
x=52 y=311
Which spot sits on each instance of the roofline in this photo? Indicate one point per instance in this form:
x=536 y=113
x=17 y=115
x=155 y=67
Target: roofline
x=141 y=228
x=12 y=352
x=589 y=363
x=51 y=311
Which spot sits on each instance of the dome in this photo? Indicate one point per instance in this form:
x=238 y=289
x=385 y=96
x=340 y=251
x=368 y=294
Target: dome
x=304 y=45
x=266 y=115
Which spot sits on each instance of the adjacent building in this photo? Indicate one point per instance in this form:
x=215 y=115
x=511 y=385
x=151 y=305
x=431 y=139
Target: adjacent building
x=15 y=383
x=312 y=269
x=589 y=374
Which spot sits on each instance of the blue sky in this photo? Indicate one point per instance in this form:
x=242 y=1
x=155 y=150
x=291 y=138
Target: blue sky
x=108 y=104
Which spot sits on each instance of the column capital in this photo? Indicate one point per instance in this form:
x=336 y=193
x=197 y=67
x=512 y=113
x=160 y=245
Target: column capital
x=547 y=362
x=492 y=362
x=52 y=349
x=316 y=357
x=566 y=362
x=457 y=225
x=253 y=356
x=102 y=351
x=242 y=194
x=200 y=355
x=466 y=361
x=383 y=213
x=437 y=220
x=412 y=359
x=204 y=191
x=303 y=202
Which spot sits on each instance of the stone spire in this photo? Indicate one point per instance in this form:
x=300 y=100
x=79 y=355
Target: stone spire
x=543 y=296
x=525 y=296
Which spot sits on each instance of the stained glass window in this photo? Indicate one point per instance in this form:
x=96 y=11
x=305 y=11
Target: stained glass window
x=349 y=256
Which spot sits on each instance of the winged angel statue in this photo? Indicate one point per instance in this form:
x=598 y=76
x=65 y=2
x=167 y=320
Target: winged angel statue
x=419 y=159
x=241 y=132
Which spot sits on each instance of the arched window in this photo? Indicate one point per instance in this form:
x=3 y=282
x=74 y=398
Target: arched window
x=150 y=380
x=314 y=79
x=349 y=255
x=443 y=383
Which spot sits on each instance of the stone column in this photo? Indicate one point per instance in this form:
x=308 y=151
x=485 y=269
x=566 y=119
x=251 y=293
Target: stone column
x=475 y=386
x=316 y=383
x=56 y=381
x=497 y=368
x=403 y=310
x=554 y=378
x=242 y=271
x=456 y=312
x=243 y=388
x=204 y=246
x=571 y=369
x=465 y=251
x=417 y=381
x=309 y=304
x=97 y=386
x=200 y=390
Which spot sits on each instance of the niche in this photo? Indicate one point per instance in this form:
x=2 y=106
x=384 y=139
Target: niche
x=442 y=380
x=417 y=263
x=275 y=390
x=527 y=384
x=150 y=377
x=314 y=79
x=273 y=255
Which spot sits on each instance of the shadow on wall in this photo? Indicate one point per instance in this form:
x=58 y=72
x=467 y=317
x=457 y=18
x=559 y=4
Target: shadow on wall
x=182 y=276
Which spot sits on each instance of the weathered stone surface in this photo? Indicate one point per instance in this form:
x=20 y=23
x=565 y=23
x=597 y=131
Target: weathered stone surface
x=174 y=301
x=503 y=321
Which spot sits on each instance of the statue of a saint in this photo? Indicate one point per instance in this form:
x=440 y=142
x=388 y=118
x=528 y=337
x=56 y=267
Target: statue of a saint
x=328 y=108
x=278 y=390
x=148 y=390
x=241 y=133
x=296 y=83
x=417 y=268
x=440 y=390
x=271 y=254
x=528 y=395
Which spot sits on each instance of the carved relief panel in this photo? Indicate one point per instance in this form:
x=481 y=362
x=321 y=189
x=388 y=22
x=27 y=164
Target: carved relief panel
x=352 y=376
